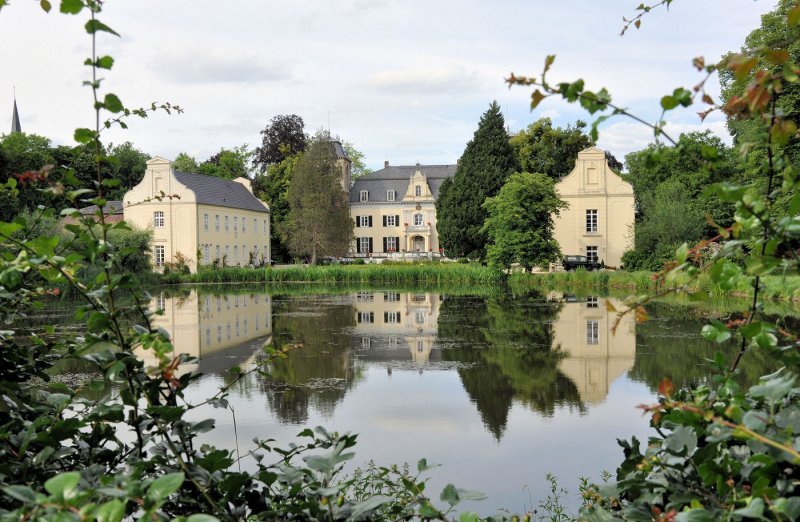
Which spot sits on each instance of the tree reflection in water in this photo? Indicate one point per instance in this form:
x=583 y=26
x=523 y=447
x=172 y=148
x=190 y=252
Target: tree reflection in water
x=510 y=341
x=319 y=371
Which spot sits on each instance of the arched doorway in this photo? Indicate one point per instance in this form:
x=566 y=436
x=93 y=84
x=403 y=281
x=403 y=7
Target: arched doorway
x=418 y=244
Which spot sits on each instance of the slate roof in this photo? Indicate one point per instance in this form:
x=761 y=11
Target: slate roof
x=112 y=208
x=211 y=190
x=397 y=179
x=15 y=126
x=339 y=150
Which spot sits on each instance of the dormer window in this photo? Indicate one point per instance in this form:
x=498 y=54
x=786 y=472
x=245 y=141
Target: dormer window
x=390 y=195
x=364 y=196
x=418 y=191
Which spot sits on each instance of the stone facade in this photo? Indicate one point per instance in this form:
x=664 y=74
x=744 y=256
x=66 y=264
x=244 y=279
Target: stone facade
x=202 y=218
x=600 y=219
x=394 y=210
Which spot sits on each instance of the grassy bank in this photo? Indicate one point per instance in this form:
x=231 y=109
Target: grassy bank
x=414 y=274
x=775 y=287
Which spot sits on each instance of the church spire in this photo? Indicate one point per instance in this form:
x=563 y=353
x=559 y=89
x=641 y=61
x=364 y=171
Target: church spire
x=15 y=126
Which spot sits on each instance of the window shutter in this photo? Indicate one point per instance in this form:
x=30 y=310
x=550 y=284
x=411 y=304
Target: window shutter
x=384 y=239
x=384 y=220
x=358 y=245
x=397 y=242
x=385 y=317
x=370 y=244
x=397 y=220
x=358 y=221
x=369 y=221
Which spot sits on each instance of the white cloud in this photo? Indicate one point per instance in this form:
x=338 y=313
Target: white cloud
x=424 y=81
x=217 y=66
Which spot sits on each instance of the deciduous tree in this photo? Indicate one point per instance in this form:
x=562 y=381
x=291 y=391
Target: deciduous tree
x=520 y=222
x=550 y=150
x=318 y=223
x=283 y=136
x=486 y=163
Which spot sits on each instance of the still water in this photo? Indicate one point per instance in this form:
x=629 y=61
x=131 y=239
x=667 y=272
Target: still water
x=497 y=390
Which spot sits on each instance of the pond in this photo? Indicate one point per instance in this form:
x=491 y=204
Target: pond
x=498 y=389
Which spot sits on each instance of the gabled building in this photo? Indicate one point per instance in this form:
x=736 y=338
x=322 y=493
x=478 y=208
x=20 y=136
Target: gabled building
x=202 y=219
x=394 y=210
x=600 y=219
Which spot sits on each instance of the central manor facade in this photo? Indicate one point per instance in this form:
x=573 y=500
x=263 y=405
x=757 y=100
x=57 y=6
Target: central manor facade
x=394 y=210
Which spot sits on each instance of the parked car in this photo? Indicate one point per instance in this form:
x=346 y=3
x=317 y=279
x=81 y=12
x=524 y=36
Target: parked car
x=571 y=263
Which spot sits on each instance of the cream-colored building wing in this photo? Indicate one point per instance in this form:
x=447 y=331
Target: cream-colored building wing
x=600 y=218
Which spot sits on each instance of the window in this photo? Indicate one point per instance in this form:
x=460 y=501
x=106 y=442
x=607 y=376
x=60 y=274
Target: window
x=390 y=244
x=227 y=252
x=392 y=342
x=208 y=337
x=228 y=330
x=417 y=220
x=420 y=346
x=391 y=221
x=235 y=226
x=158 y=219
x=237 y=328
x=245 y=256
x=391 y=296
x=216 y=222
x=592 y=332
x=161 y=303
x=206 y=258
x=219 y=334
x=255 y=226
x=364 y=196
x=419 y=316
x=364 y=296
x=226 y=223
x=244 y=225
x=591 y=220
x=219 y=303
x=366 y=317
x=390 y=195
x=364 y=245
x=265 y=227
x=205 y=222
x=159 y=255
x=391 y=317
x=417 y=191
x=365 y=342
x=364 y=221
x=217 y=252
x=591 y=254
x=235 y=253
x=591 y=302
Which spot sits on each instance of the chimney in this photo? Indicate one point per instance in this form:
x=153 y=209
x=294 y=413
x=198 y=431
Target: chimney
x=386 y=164
x=458 y=162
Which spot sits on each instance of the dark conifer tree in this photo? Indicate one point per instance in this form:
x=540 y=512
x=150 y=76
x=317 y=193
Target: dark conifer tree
x=486 y=163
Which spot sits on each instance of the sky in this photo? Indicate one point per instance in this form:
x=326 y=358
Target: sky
x=404 y=81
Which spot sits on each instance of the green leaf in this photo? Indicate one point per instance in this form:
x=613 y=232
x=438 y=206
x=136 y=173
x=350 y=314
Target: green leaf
x=366 y=507
x=63 y=483
x=94 y=26
x=164 y=486
x=45 y=5
x=113 y=103
x=201 y=517
x=111 y=511
x=84 y=135
x=449 y=495
x=774 y=388
x=71 y=6
x=668 y=103
x=21 y=493
x=754 y=510
x=105 y=62
x=468 y=516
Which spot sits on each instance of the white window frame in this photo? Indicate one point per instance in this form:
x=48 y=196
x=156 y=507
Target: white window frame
x=364 y=241
x=206 y=253
x=592 y=332
x=417 y=190
x=227 y=223
x=218 y=256
x=205 y=222
x=418 y=220
x=591 y=221
x=364 y=196
x=265 y=227
x=391 y=221
x=216 y=222
x=392 y=317
x=363 y=221
x=391 y=195
x=366 y=317
x=158 y=219
x=159 y=255
x=391 y=244
x=592 y=254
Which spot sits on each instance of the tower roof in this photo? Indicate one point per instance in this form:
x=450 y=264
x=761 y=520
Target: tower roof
x=15 y=126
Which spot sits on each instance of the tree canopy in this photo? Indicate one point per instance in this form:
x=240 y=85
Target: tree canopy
x=520 y=224
x=550 y=150
x=283 y=136
x=272 y=186
x=318 y=222
x=486 y=163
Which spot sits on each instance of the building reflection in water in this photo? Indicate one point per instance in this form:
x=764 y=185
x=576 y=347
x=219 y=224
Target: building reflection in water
x=397 y=328
x=221 y=330
x=595 y=356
